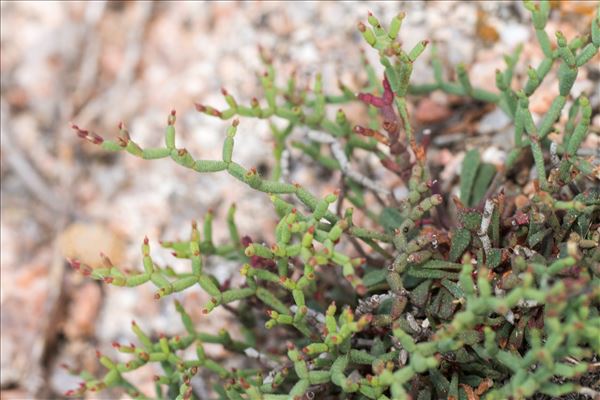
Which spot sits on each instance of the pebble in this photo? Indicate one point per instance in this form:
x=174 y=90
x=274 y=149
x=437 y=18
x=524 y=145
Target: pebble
x=494 y=155
x=429 y=111
x=513 y=34
x=493 y=121
x=84 y=241
x=521 y=201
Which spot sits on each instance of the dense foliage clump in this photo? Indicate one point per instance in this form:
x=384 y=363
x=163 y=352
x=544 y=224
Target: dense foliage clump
x=483 y=295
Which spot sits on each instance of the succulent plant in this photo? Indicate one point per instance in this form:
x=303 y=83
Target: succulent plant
x=494 y=299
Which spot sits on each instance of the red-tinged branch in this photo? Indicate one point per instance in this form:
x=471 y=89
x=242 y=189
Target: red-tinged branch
x=87 y=135
x=171 y=118
x=371 y=133
x=207 y=109
x=385 y=104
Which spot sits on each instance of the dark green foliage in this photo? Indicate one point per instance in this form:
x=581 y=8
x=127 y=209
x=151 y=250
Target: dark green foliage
x=390 y=219
x=469 y=169
x=503 y=304
x=460 y=242
x=485 y=174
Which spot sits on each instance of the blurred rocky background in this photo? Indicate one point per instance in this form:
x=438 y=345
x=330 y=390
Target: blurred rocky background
x=98 y=63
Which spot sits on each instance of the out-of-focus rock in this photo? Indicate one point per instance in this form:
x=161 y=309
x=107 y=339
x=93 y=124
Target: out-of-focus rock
x=23 y=321
x=494 y=155
x=521 y=201
x=85 y=242
x=429 y=111
x=484 y=29
x=514 y=34
x=540 y=101
x=493 y=121
x=14 y=394
x=83 y=311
